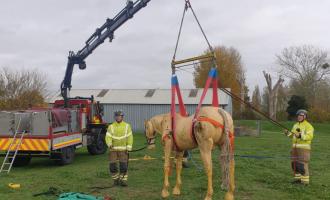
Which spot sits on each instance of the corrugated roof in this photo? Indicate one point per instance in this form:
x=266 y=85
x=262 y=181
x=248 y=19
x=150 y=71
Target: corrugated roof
x=138 y=96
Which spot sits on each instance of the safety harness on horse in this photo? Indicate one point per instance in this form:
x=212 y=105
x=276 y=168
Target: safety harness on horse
x=212 y=80
x=175 y=89
x=227 y=147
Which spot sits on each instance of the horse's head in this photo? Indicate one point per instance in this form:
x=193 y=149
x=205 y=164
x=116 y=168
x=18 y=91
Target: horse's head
x=150 y=133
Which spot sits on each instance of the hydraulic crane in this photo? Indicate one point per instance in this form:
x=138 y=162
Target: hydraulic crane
x=98 y=37
x=72 y=122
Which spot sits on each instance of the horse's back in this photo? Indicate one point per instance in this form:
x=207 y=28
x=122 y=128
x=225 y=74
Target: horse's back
x=214 y=114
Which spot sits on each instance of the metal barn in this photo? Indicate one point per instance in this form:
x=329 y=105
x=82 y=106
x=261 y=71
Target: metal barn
x=141 y=104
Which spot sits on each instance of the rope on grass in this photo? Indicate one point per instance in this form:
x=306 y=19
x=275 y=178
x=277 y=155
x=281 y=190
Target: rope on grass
x=199 y=169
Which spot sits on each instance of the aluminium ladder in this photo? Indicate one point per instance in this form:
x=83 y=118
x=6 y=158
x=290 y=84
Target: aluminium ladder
x=11 y=154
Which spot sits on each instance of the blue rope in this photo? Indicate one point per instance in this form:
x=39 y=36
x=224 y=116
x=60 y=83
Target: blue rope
x=198 y=167
x=254 y=156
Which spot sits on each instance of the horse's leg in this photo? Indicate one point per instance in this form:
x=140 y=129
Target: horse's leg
x=176 y=189
x=205 y=148
x=167 y=166
x=230 y=193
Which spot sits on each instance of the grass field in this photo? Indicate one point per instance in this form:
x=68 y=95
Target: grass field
x=257 y=178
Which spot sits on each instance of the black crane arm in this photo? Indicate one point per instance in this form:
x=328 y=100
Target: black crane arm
x=97 y=38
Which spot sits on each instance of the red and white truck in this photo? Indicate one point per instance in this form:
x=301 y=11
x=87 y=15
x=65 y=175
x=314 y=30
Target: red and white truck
x=53 y=132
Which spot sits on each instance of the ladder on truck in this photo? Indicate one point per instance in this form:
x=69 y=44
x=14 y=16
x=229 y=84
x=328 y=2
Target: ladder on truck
x=11 y=154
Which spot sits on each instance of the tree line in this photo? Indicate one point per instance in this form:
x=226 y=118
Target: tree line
x=22 y=89
x=301 y=81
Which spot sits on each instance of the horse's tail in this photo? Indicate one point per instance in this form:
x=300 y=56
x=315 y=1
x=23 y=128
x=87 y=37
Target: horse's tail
x=227 y=154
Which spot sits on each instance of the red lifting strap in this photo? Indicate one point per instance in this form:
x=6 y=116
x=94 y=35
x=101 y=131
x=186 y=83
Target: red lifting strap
x=212 y=78
x=218 y=124
x=175 y=90
x=212 y=121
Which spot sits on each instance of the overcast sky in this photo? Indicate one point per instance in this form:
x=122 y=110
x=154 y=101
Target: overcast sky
x=39 y=34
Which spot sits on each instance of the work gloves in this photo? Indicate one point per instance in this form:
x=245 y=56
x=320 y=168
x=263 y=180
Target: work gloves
x=297 y=134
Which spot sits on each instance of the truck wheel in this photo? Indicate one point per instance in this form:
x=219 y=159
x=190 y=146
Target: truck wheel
x=98 y=146
x=65 y=156
x=21 y=161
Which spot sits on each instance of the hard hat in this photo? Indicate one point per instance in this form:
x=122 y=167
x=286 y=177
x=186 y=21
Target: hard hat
x=301 y=111
x=119 y=113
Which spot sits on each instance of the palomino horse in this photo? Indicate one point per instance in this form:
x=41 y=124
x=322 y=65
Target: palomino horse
x=214 y=127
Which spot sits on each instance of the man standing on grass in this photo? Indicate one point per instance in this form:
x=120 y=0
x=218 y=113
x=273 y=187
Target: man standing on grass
x=119 y=139
x=302 y=135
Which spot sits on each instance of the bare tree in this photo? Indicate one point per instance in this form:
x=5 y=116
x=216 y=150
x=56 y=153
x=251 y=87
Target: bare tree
x=272 y=94
x=256 y=98
x=283 y=97
x=306 y=66
x=304 y=62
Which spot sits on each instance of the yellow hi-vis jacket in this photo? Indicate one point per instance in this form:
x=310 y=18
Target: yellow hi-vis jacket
x=119 y=136
x=306 y=130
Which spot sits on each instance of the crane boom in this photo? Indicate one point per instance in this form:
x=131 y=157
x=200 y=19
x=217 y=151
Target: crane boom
x=97 y=38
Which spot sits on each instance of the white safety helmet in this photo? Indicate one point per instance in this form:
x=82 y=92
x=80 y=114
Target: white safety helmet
x=302 y=112
x=118 y=113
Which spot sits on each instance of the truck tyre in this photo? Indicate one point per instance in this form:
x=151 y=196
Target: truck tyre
x=21 y=161
x=98 y=146
x=65 y=156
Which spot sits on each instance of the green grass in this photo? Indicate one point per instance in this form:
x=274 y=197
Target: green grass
x=256 y=179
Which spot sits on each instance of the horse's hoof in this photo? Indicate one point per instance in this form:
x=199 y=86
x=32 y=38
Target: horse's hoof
x=176 y=191
x=165 y=194
x=229 y=196
x=208 y=198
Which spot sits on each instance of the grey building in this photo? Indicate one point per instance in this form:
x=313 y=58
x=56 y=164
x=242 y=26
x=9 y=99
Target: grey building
x=141 y=104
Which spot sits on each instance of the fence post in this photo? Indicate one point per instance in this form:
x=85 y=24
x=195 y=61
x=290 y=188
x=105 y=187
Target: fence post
x=258 y=127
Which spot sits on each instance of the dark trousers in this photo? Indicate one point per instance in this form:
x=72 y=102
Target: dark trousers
x=122 y=157
x=299 y=162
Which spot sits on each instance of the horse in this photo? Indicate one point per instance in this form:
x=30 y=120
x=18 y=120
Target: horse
x=212 y=127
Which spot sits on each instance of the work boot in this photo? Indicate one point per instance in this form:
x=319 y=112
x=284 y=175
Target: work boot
x=123 y=180
x=116 y=182
x=123 y=183
x=114 y=174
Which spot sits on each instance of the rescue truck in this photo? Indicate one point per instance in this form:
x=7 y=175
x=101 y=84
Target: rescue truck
x=71 y=123
x=52 y=132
